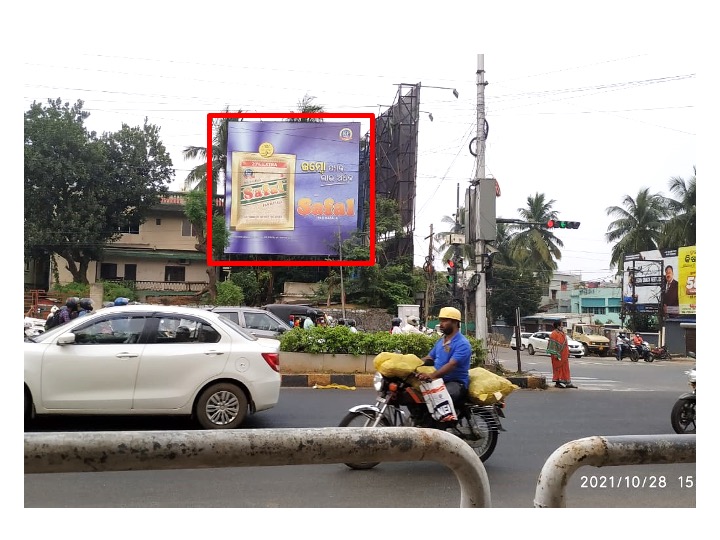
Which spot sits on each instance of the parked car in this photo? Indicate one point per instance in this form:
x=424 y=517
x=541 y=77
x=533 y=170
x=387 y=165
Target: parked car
x=259 y=322
x=539 y=340
x=152 y=360
x=524 y=336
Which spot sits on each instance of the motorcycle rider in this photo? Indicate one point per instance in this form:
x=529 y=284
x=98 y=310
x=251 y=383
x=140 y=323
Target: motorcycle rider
x=450 y=356
x=621 y=344
x=412 y=325
x=395 y=328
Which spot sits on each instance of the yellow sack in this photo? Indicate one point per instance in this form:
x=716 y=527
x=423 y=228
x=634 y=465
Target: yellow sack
x=487 y=388
x=382 y=357
x=400 y=365
x=415 y=382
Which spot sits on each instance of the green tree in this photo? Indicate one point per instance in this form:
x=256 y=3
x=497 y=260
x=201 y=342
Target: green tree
x=679 y=230
x=196 y=178
x=307 y=105
x=82 y=190
x=638 y=225
x=466 y=251
x=533 y=248
x=511 y=289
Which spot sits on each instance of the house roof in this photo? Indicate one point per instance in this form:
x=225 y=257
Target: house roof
x=155 y=253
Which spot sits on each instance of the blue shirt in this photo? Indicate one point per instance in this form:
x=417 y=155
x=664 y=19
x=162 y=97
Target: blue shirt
x=459 y=350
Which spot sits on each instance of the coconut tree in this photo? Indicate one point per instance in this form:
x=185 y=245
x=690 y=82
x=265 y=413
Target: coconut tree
x=466 y=251
x=533 y=248
x=679 y=230
x=196 y=178
x=638 y=225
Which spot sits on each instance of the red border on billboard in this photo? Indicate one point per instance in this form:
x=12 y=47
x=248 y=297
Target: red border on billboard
x=209 y=251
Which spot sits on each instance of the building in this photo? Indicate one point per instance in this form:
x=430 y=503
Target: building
x=157 y=257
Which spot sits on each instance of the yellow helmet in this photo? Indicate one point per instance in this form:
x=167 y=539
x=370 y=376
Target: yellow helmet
x=450 y=313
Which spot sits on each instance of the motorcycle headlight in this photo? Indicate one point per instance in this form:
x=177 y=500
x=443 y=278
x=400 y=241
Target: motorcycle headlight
x=377 y=381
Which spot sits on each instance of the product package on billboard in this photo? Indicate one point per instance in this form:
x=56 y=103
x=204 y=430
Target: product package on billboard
x=262 y=192
x=438 y=400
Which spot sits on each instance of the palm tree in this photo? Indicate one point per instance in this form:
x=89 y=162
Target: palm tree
x=533 y=248
x=467 y=252
x=306 y=105
x=638 y=226
x=196 y=179
x=679 y=230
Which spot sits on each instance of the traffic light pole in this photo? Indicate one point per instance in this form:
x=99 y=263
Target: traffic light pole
x=481 y=331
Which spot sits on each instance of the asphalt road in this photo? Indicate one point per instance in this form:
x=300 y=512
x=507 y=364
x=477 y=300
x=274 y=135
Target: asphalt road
x=613 y=398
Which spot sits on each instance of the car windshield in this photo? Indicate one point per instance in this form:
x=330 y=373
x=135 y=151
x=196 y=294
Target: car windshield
x=235 y=327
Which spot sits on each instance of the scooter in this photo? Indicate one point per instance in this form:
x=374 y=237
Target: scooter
x=645 y=353
x=682 y=417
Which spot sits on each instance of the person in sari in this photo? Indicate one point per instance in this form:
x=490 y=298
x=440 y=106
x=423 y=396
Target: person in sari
x=560 y=357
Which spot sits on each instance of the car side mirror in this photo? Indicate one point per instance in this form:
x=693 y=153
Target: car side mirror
x=66 y=339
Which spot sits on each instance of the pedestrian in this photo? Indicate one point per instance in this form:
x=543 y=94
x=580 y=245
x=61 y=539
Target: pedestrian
x=395 y=328
x=560 y=357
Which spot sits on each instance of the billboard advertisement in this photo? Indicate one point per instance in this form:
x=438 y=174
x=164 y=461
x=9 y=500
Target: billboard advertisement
x=291 y=187
x=660 y=282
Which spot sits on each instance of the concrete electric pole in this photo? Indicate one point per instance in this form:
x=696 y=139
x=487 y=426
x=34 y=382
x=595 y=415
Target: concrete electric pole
x=481 y=330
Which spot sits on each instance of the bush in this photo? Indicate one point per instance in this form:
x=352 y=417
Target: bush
x=114 y=289
x=80 y=290
x=340 y=340
x=229 y=294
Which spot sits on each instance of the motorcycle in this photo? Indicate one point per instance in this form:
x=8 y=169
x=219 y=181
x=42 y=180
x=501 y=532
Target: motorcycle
x=629 y=351
x=645 y=353
x=682 y=416
x=660 y=353
x=399 y=404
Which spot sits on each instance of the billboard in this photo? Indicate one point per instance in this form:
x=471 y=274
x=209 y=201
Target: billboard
x=292 y=187
x=660 y=282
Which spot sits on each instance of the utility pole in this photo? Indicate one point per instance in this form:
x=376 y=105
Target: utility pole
x=481 y=292
x=430 y=278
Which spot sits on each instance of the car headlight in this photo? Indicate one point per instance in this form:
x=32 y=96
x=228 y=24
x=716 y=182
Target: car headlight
x=377 y=381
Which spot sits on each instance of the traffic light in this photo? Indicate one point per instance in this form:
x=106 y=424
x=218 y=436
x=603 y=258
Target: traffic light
x=562 y=224
x=451 y=271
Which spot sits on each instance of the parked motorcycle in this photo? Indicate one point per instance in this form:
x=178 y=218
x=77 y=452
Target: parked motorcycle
x=660 y=353
x=682 y=416
x=645 y=353
x=400 y=404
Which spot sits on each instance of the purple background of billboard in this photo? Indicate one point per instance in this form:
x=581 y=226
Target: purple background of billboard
x=310 y=142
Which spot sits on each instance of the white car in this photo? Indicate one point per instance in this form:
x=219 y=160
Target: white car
x=524 y=336
x=152 y=360
x=539 y=340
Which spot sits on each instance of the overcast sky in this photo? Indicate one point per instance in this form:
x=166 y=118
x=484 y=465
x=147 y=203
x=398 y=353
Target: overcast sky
x=584 y=104
x=583 y=123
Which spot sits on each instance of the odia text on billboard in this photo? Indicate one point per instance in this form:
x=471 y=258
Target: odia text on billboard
x=291 y=188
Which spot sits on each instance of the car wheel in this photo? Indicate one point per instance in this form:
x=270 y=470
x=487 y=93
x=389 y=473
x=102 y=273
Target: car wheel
x=531 y=350
x=221 y=406
x=522 y=347
x=28 y=406
x=587 y=349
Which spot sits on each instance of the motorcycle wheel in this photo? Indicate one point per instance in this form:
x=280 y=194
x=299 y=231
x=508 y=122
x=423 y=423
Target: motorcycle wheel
x=358 y=419
x=475 y=431
x=682 y=417
x=634 y=357
x=648 y=358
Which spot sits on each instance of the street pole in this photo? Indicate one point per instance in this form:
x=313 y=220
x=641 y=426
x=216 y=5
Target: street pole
x=481 y=292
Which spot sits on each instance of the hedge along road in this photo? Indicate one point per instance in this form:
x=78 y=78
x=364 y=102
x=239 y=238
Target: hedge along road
x=537 y=423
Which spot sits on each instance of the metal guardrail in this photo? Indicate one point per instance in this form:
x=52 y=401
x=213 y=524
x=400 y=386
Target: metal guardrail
x=165 y=450
x=607 y=451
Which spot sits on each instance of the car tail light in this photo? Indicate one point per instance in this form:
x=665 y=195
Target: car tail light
x=273 y=360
